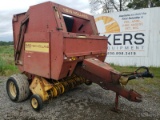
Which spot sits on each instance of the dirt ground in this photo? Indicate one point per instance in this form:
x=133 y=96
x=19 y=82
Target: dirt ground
x=82 y=103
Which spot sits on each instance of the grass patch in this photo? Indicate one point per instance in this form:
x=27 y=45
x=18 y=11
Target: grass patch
x=7 y=66
x=153 y=70
x=146 y=84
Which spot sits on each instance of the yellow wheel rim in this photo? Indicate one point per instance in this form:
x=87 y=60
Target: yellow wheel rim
x=12 y=89
x=34 y=103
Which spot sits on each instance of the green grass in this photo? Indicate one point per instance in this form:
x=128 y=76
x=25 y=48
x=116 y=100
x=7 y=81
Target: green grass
x=146 y=84
x=154 y=70
x=7 y=66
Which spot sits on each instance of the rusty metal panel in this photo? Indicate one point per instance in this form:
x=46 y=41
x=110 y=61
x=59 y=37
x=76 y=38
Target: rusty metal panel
x=41 y=18
x=79 y=47
x=16 y=25
x=101 y=69
x=37 y=63
x=37 y=54
x=47 y=42
x=108 y=78
x=56 y=44
x=67 y=69
x=59 y=18
x=75 y=13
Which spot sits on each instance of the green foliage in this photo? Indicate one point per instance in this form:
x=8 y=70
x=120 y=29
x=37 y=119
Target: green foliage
x=7 y=66
x=137 y=4
x=2 y=43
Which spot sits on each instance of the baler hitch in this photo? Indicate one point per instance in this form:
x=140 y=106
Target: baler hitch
x=127 y=76
x=108 y=78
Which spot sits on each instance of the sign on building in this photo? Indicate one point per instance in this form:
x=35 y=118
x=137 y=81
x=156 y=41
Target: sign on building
x=127 y=32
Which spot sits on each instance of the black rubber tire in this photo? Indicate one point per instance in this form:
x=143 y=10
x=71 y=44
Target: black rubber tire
x=21 y=84
x=39 y=102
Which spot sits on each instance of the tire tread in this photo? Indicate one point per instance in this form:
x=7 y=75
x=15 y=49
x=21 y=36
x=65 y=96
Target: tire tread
x=23 y=86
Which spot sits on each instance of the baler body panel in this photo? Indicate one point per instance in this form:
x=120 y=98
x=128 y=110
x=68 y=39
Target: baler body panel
x=37 y=54
x=80 y=47
x=68 y=47
x=54 y=35
x=16 y=28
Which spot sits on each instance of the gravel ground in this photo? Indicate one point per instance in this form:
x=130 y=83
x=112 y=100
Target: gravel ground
x=81 y=103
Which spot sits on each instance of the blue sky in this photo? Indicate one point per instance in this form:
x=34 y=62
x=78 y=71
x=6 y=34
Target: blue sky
x=10 y=7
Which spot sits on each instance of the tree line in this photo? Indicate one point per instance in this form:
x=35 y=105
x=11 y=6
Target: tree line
x=108 y=6
x=4 y=43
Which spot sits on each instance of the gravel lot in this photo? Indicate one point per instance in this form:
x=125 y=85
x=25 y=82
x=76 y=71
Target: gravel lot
x=82 y=103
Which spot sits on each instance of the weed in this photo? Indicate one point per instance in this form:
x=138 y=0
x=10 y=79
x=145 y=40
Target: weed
x=7 y=66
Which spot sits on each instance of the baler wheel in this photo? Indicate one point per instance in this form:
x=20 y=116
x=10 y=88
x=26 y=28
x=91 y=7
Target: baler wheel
x=36 y=102
x=17 y=87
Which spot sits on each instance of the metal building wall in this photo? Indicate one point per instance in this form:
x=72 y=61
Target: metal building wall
x=152 y=57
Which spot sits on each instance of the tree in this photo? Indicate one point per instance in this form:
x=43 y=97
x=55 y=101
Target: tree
x=137 y=4
x=107 y=6
x=2 y=43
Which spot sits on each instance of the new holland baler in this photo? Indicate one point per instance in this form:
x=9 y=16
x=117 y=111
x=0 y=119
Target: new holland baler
x=56 y=49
